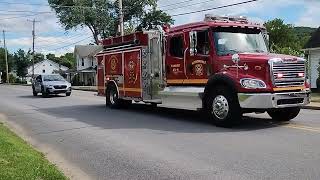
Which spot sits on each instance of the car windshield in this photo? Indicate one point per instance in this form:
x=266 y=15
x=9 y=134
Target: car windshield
x=53 y=78
x=230 y=41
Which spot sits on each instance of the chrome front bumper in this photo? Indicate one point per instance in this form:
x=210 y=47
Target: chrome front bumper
x=273 y=100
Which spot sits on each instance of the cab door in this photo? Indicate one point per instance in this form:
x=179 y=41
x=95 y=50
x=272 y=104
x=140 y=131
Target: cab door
x=175 y=59
x=198 y=57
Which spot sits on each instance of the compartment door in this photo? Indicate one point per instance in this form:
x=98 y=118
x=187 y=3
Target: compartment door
x=156 y=67
x=100 y=76
x=132 y=74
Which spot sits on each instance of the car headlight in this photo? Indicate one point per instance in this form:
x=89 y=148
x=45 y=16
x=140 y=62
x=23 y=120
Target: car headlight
x=49 y=86
x=252 y=83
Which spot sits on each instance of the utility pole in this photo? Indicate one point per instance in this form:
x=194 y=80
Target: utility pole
x=5 y=55
x=121 y=18
x=33 y=38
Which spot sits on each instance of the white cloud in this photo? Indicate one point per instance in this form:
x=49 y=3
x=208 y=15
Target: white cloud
x=263 y=8
x=49 y=44
x=311 y=17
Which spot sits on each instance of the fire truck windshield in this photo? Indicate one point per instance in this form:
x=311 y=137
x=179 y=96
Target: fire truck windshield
x=230 y=41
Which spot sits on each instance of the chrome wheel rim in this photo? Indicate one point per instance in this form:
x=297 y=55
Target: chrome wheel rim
x=220 y=107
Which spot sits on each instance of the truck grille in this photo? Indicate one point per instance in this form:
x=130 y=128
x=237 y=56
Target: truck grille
x=288 y=74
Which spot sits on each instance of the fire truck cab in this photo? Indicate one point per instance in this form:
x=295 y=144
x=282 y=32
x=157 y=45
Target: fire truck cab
x=220 y=65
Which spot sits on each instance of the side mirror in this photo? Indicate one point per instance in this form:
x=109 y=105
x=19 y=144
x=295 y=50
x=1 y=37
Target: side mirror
x=236 y=58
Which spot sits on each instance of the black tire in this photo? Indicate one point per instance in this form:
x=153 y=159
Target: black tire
x=43 y=92
x=154 y=105
x=68 y=94
x=284 y=114
x=227 y=111
x=34 y=93
x=112 y=97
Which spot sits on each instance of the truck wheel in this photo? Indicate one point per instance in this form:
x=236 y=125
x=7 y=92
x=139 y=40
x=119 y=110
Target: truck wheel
x=112 y=97
x=223 y=107
x=284 y=114
x=34 y=91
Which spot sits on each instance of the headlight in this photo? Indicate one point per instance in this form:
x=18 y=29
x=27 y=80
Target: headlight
x=49 y=86
x=252 y=83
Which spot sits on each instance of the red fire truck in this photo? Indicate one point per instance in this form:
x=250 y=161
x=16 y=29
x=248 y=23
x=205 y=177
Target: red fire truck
x=220 y=65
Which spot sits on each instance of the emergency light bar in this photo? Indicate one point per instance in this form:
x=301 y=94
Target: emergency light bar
x=210 y=17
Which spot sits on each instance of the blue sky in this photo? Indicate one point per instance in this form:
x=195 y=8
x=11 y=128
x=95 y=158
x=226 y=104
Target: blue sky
x=51 y=37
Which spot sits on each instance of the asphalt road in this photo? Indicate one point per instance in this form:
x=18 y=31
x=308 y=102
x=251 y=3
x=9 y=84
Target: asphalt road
x=158 y=143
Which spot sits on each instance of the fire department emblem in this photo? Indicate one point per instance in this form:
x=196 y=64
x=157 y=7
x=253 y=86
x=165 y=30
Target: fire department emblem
x=113 y=63
x=198 y=69
x=132 y=73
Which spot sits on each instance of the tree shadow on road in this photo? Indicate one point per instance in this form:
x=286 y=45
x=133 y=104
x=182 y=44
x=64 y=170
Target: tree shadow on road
x=147 y=117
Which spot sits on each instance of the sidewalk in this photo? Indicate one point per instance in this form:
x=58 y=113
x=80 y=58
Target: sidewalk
x=85 y=88
x=313 y=106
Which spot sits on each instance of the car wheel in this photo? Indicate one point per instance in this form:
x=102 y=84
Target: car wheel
x=284 y=114
x=223 y=107
x=34 y=91
x=68 y=94
x=43 y=92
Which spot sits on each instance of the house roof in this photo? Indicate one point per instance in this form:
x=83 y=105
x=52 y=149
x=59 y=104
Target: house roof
x=87 y=50
x=314 y=41
x=51 y=62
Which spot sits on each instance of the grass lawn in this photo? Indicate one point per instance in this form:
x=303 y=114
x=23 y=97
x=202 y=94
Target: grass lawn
x=18 y=160
x=315 y=97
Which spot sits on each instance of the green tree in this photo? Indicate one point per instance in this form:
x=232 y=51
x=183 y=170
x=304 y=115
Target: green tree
x=3 y=63
x=155 y=17
x=65 y=60
x=283 y=38
x=38 y=57
x=68 y=60
x=98 y=16
x=101 y=16
x=21 y=61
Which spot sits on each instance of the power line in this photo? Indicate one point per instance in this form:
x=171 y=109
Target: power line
x=187 y=5
x=48 y=5
x=28 y=15
x=177 y=3
x=219 y=7
x=24 y=11
x=70 y=44
x=58 y=42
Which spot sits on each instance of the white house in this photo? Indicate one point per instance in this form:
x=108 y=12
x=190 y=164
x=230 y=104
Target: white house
x=45 y=67
x=312 y=49
x=87 y=63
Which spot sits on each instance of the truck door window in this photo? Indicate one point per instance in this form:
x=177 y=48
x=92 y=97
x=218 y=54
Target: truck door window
x=176 y=46
x=202 y=43
x=199 y=43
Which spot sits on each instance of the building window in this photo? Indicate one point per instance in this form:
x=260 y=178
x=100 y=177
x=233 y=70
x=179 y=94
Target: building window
x=92 y=62
x=82 y=62
x=176 y=46
x=43 y=71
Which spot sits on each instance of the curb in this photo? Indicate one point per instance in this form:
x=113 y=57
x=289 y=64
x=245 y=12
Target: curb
x=90 y=90
x=311 y=107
